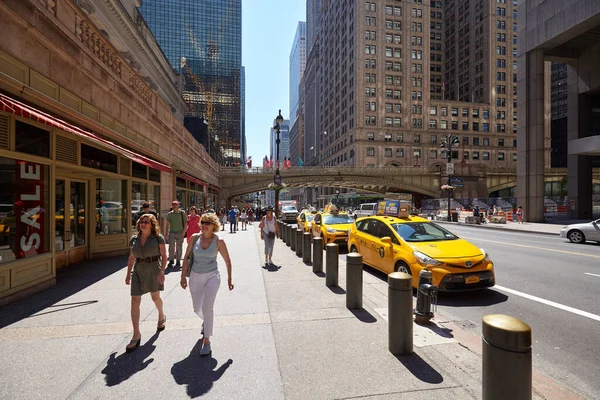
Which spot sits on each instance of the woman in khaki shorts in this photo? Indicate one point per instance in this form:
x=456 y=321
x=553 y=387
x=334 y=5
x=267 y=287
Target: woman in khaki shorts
x=147 y=259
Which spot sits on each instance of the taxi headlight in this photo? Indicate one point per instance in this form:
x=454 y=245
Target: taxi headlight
x=425 y=260
x=331 y=230
x=486 y=257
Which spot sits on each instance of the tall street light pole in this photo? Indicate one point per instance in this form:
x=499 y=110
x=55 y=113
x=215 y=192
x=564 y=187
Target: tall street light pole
x=447 y=144
x=277 y=177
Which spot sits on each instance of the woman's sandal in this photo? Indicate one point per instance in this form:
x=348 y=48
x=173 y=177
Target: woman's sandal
x=134 y=344
x=161 y=324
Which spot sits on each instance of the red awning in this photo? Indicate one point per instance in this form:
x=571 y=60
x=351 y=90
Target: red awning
x=8 y=104
x=196 y=180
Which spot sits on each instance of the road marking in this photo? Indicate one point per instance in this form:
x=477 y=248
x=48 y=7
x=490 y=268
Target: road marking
x=536 y=247
x=587 y=273
x=550 y=303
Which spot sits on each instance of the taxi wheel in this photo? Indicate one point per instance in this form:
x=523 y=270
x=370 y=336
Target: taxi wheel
x=401 y=266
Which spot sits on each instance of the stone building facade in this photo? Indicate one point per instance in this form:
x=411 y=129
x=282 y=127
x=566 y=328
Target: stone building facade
x=90 y=127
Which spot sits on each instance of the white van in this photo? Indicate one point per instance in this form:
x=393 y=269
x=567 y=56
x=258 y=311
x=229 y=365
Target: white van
x=365 y=210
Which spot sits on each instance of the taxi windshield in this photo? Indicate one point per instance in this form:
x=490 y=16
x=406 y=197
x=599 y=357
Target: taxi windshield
x=337 y=219
x=422 y=232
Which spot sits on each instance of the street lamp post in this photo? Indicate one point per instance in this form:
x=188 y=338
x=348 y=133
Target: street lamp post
x=277 y=177
x=337 y=197
x=447 y=144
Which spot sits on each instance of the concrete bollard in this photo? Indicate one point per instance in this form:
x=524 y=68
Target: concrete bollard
x=288 y=236
x=331 y=264
x=299 y=235
x=507 y=368
x=282 y=231
x=400 y=314
x=354 y=281
x=317 y=255
x=292 y=239
x=306 y=237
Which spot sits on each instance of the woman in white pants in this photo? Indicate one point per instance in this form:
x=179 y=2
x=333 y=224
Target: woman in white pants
x=204 y=276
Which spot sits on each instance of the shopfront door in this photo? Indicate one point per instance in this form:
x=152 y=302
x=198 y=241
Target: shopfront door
x=70 y=222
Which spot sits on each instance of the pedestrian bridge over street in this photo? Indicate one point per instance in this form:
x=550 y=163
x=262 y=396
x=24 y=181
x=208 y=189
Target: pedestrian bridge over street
x=477 y=180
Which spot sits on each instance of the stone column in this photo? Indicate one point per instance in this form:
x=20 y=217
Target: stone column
x=530 y=136
x=579 y=167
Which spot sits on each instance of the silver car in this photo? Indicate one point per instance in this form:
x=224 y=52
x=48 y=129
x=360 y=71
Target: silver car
x=579 y=233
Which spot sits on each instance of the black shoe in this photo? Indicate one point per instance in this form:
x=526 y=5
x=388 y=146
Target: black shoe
x=177 y=264
x=170 y=264
x=134 y=344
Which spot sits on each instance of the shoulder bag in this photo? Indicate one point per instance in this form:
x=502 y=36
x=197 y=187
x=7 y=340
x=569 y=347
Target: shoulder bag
x=191 y=256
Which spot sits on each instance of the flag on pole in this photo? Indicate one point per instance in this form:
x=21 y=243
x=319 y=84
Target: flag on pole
x=300 y=162
x=266 y=162
x=271 y=162
x=287 y=163
x=249 y=162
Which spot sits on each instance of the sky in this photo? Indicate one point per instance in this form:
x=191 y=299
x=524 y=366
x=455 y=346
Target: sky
x=268 y=30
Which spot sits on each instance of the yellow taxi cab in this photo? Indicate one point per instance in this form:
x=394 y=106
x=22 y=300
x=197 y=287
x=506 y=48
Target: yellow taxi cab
x=393 y=241
x=333 y=226
x=305 y=219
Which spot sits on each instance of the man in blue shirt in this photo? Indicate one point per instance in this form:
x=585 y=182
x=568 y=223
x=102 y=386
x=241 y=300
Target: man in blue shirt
x=232 y=220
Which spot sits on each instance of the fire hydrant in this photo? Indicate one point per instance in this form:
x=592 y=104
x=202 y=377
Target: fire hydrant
x=426 y=295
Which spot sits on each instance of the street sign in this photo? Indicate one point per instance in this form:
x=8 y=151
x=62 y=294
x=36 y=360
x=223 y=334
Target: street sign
x=455 y=179
x=458 y=185
x=450 y=168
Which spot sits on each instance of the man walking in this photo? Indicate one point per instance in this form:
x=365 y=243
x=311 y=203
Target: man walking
x=176 y=226
x=232 y=220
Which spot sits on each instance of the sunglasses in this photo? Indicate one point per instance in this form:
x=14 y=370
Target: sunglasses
x=206 y=223
x=144 y=222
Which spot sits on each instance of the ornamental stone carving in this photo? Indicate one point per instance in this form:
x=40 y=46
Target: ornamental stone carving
x=93 y=41
x=86 y=6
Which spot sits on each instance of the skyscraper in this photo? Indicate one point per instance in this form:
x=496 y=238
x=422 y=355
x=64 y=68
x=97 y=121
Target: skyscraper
x=297 y=65
x=203 y=41
x=313 y=22
x=396 y=79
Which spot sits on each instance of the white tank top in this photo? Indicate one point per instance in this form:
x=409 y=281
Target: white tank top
x=269 y=225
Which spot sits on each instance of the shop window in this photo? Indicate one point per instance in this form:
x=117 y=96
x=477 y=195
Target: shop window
x=138 y=197
x=99 y=159
x=32 y=140
x=24 y=199
x=154 y=175
x=111 y=216
x=139 y=171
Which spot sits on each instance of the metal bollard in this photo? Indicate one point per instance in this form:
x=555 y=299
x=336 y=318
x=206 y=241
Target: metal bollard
x=400 y=318
x=282 y=230
x=299 y=235
x=317 y=255
x=332 y=252
x=354 y=281
x=507 y=372
x=292 y=239
x=306 y=237
x=288 y=235
x=426 y=292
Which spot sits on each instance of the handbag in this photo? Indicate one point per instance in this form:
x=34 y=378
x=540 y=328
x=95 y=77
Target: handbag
x=191 y=256
x=271 y=235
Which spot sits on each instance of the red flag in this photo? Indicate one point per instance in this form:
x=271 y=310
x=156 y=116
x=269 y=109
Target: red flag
x=266 y=163
x=271 y=162
x=287 y=164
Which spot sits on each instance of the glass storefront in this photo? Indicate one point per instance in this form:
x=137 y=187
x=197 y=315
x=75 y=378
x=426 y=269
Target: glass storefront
x=24 y=201
x=111 y=216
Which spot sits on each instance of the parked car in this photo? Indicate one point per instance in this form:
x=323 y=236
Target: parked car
x=407 y=243
x=579 y=233
x=365 y=210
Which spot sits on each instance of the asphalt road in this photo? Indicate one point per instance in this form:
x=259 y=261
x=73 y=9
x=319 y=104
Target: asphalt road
x=547 y=282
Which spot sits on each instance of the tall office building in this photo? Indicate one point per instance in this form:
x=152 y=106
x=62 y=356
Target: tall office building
x=297 y=65
x=313 y=22
x=395 y=79
x=203 y=41
x=284 y=141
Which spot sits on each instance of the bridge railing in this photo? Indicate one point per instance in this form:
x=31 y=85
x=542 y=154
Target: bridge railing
x=332 y=170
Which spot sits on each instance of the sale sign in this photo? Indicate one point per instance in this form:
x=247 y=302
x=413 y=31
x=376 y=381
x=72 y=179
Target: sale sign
x=29 y=212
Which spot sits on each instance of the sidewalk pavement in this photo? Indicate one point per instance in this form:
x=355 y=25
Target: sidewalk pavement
x=550 y=228
x=280 y=334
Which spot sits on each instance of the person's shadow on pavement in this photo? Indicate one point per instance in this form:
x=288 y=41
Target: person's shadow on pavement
x=197 y=372
x=121 y=368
